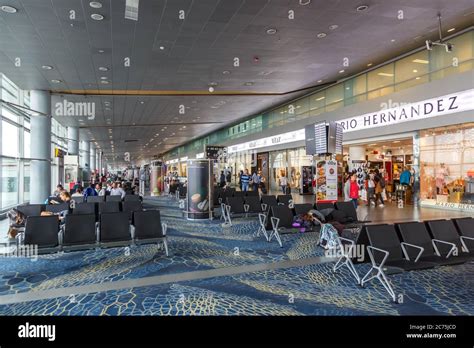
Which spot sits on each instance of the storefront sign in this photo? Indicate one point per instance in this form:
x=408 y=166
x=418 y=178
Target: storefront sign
x=284 y=138
x=444 y=105
x=432 y=203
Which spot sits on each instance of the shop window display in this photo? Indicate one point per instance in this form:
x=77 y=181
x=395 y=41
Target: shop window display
x=447 y=165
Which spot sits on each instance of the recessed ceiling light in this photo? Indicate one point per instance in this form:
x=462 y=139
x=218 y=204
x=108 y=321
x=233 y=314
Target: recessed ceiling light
x=226 y=72
x=305 y=2
x=103 y=68
x=97 y=17
x=341 y=71
x=319 y=81
x=321 y=35
x=370 y=64
x=105 y=82
x=333 y=27
x=56 y=81
x=8 y=9
x=362 y=8
x=320 y=98
x=420 y=61
x=249 y=83
x=417 y=78
x=385 y=74
x=452 y=29
x=393 y=40
x=142 y=102
x=101 y=51
x=95 y=4
x=415 y=71
x=271 y=31
x=47 y=67
x=103 y=77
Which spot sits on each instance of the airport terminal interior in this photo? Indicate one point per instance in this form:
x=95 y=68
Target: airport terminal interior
x=236 y=157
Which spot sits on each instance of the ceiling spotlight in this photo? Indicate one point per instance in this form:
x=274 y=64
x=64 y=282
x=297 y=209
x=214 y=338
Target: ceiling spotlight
x=226 y=72
x=103 y=77
x=101 y=51
x=370 y=64
x=271 y=31
x=103 y=68
x=104 y=82
x=305 y=2
x=47 y=67
x=95 y=4
x=8 y=9
x=362 y=8
x=321 y=35
x=319 y=81
x=393 y=40
x=333 y=27
x=249 y=83
x=211 y=89
x=341 y=71
x=452 y=29
x=97 y=17
x=142 y=102
x=162 y=48
x=56 y=81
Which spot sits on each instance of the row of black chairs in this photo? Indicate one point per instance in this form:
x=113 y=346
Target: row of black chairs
x=98 y=199
x=409 y=246
x=221 y=194
x=81 y=231
x=82 y=208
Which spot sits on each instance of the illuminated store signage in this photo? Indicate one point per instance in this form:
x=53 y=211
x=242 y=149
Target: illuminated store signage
x=388 y=116
x=445 y=105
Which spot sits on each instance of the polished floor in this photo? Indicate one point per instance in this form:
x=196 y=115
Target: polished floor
x=219 y=270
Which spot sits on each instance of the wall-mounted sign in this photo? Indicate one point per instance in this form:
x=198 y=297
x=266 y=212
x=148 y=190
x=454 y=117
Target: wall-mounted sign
x=58 y=153
x=284 y=138
x=444 y=105
x=323 y=138
x=215 y=152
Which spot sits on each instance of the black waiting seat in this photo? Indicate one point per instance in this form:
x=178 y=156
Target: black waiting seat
x=285 y=199
x=254 y=204
x=236 y=205
x=385 y=251
x=84 y=208
x=229 y=192
x=281 y=218
x=116 y=198
x=79 y=231
x=131 y=206
x=415 y=236
x=31 y=209
x=114 y=229
x=239 y=194
x=349 y=210
x=57 y=208
x=131 y=198
x=303 y=208
x=41 y=231
x=109 y=207
x=95 y=199
x=216 y=195
x=78 y=199
x=384 y=237
x=322 y=206
x=446 y=240
x=269 y=201
x=252 y=194
x=148 y=228
x=465 y=227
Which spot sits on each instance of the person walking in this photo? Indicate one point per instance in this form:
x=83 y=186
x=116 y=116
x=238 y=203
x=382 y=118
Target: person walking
x=379 y=187
x=240 y=179
x=354 y=190
x=347 y=189
x=245 y=179
x=283 y=183
x=371 y=189
x=222 y=179
x=255 y=181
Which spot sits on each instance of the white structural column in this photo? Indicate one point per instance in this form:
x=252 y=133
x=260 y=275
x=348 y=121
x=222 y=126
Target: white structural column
x=40 y=166
x=84 y=159
x=92 y=159
x=73 y=141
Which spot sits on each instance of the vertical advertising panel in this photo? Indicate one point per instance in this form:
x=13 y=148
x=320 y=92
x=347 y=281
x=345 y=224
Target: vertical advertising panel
x=326 y=181
x=199 y=189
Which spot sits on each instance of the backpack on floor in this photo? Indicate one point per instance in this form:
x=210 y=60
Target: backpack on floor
x=328 y=236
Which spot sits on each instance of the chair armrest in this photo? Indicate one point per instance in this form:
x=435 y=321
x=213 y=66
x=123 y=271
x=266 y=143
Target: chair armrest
x=275 y=221
x=164 y=226
x=434 y=241
x=464 y=243
x=371 y=255
x=264 y=206
x=246 y=208
x=404 y=245
x=280 y=203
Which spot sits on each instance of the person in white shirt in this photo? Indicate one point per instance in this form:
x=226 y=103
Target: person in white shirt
x=100 y=190
x=283 y=183
x=117 y=191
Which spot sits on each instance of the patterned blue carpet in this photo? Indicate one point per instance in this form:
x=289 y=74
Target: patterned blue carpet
x=206 y=245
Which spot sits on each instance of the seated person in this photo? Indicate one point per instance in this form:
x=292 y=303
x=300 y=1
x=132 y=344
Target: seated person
x=79 y=192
